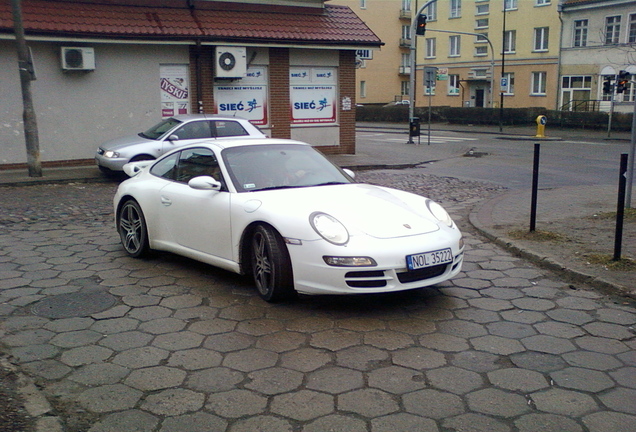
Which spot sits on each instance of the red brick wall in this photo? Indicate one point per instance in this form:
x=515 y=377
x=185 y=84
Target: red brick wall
x=202 y=62
x=279 y=92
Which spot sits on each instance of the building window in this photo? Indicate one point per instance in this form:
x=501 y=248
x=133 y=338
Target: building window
x=453 y=85
x=612 y=29
x=510 y=4
x=363 y=89
x=481 y=23
x=632 y=28
x=429 y=91
x=541 y=38
x=482 y=9
x=481 y=38
x=455 y=8
x=406 y=32
x=431 y=47
x=406 y=5
x=510 y=42
x=538 y=83
x=454 y=46
x=543 y=2
x=580 y=33
x=404 y=87
x=406 y=59
x=431 y=12
x=577 y=82
x=509 y=80
x=363 y=4
x=480 y=73
x=629 y=93
x=481 y=50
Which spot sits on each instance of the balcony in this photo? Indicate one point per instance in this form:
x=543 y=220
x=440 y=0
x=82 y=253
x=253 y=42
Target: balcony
x=405 y=14
x=405 y=70
x=405 y=43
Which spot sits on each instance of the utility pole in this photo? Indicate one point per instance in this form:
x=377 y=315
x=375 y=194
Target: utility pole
x=27 y=74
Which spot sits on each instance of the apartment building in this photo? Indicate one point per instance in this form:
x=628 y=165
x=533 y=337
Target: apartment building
x=486 y=51
x=598 y=42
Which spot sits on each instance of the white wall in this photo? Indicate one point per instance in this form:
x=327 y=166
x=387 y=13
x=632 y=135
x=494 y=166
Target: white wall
x=76 y=111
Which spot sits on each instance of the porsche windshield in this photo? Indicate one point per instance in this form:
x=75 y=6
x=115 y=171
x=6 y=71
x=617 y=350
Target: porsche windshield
x=160 y=128
x=278 y=166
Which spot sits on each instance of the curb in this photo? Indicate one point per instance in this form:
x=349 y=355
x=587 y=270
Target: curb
x=547 y=262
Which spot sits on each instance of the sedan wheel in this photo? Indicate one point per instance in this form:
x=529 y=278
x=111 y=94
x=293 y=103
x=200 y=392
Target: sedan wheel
x=132 y=229
x=271 y=265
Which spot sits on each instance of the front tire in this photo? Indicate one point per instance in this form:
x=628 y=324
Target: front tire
x=133 y=232
x=271 y=265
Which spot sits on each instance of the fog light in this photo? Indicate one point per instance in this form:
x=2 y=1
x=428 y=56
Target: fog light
x=461 y=243
x=337 y=261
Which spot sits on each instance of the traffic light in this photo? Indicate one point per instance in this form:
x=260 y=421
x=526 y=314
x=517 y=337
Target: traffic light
x=420 y=30
x=621 y=81
x=607 y=85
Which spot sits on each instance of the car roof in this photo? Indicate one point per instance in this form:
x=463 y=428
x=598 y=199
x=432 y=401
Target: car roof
x=243 y=142
x=190 y=117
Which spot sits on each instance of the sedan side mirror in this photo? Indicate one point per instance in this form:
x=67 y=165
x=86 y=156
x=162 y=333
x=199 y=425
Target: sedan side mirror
x=173 y=137
x=205 y=183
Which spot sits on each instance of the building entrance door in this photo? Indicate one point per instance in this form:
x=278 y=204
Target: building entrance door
x=479 y=98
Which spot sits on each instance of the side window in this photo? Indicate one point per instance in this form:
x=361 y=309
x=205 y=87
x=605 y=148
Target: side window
x=197 y=162
x=194 y=130
x=227 y=129
x=166 y=168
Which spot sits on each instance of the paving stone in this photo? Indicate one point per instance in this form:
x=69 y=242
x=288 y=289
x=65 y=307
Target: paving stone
x=616 y=316
x=155 y=378
x=173 y=402
x=141 y=357
x=162 y=325
x=178 y=340
x=214 y=379
x=546 y=423
x=540 y=362
x=454 y=379
x=564 y=402
x=48 y=369
x=610 y=421
x=131 y=420
x=474 y=423
x=398 y=422
x=305 y=359
x=69 y=324
x=497 y=402
x=125 y=341
x=99 y=374
x=523 y=316
x=478 y=315
x=609 y=330
x=601 y=345
x=511 y=330
x=362 y=357
x=29 y=353
x=388 y=340
x=368 y=402
x=262 y=423
x=443 y=342
x=516 y=379
x=559 y=329
x=29 y=337
x=334 y=380
x=250 y=359
x=85 y=355
x=620 y=399
x=534 y=304
x=625 y=376
x=236 y=403
x=335 y=339
x=591 y=360
x=212 y=326
x=476 y=361
x=197 y=422
x=274 y=380
x=115 y=325
x=396 y=380
x=575 y=317
x=195 y=359
x=548 y=344
x=109 y=398
x=303 y=405
x=149 y=313
x=336 y=422
x=227 y=342
x=114 y=312
x=578 y=303
x=497 y=345
x=259 y=327
x=434 y=404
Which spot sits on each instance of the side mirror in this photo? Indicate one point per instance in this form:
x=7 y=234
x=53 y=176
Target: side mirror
x=349 y=173
x=205 y=183
x=173 y=137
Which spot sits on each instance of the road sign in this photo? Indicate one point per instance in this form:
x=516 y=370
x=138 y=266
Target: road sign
x=430 y=76
x=504 y=82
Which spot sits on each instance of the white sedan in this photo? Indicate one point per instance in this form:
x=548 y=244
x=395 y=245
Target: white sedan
x=280 y=211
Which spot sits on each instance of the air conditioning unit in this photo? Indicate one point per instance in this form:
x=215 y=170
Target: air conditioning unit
x=230 y=62
x=78 y=58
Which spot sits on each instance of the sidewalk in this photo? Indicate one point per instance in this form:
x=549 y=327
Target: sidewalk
x=572 y=218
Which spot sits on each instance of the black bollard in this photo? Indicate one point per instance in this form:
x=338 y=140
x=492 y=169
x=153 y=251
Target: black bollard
x=535 y=187
x=620 y=208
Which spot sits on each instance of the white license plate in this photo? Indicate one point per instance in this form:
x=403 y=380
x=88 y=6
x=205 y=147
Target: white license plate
x=428 y=259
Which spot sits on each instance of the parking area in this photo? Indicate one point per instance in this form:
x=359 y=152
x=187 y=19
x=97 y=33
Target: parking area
x=169 y=344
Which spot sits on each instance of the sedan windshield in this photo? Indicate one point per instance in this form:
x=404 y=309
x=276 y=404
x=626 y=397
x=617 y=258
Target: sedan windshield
x=160 y=128
x=278 y=166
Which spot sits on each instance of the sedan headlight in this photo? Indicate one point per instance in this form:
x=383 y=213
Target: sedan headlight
x=329 y=228
x=439 y=212
x=111 y=154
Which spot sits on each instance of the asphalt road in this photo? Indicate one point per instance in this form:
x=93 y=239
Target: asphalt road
x=168 y=344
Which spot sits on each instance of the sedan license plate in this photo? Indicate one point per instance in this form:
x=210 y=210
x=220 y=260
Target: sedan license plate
x=428 y=259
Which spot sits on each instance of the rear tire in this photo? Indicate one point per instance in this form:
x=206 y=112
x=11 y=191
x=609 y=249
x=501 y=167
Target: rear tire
x=133 y=232
x=271 y=265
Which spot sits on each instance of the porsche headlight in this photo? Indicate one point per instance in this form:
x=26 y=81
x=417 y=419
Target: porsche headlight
x=111 y=154
x=439 y=212
x=329 y=228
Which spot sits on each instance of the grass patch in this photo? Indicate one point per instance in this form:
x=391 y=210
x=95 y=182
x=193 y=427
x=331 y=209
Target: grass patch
x=624 y=264
x=628 y=215
x=537 y=235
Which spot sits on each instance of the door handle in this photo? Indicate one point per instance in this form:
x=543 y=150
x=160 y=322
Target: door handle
x=166 y=201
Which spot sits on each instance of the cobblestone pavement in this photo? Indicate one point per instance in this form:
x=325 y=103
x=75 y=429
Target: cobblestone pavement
x=168 y=344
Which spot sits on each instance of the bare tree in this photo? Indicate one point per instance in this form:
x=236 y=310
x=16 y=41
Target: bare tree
x=25 y=65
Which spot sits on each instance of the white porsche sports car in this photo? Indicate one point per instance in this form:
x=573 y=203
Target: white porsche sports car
x=280 y=211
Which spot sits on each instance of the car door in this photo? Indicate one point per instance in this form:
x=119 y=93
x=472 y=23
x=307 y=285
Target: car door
x=198 y=219
x=187 y=133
